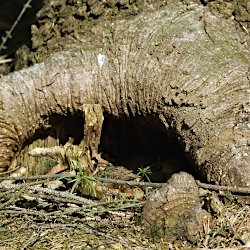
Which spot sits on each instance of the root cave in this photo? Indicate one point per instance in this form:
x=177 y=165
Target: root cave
x=143 y=142
x=133 y=143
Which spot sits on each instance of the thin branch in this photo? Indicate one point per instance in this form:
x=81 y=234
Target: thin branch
x=244 y=190
x=130 y=183
x=33 y=239
x=51 y=152
x=7 y=60
x=9 y=172
x=55 y=199
x=104 y=180
x=246 y=247
x=9 y=32
x=14 y=197
x=32 y=177
x=23 y=211
x=61 y=194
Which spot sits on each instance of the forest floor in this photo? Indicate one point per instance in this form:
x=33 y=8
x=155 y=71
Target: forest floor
x=45 y=214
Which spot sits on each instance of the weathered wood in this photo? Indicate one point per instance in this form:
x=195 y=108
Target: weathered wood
x=185 y=66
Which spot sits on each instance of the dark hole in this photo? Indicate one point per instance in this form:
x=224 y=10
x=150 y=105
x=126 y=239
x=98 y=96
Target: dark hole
x=61 y=128
x=134 y=143
x=65 y=127
x=121 y=6
x=203 y=2
x=142 y=142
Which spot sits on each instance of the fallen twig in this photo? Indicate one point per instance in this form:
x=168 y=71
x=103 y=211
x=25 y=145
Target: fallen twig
x=9 y=172
x=104 y=180
x=245 y=190
x=33 y=177
x=5 y=60
x=62 y=194
x=33 y=239
x=130 y=183
x=51 y=152
x=13 y=198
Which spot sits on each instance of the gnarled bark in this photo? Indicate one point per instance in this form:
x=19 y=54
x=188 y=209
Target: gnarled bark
x=185 y=66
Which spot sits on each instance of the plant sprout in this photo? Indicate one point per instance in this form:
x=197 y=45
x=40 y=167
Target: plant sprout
x=144 y=172
x=80 y=179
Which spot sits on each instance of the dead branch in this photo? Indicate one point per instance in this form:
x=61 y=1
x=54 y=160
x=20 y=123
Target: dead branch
x=51 y=152
x=244 y=190
x=62 y=194
x=33 y=239
x=33 y=177
x=104 y=180
x=9 y=32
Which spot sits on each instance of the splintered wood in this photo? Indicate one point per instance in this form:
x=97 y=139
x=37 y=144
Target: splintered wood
x=86 y=153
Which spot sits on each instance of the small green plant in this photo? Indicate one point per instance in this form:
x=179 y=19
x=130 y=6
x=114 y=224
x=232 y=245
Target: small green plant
x=48 y=162
x=80 y=179
x=144 y=172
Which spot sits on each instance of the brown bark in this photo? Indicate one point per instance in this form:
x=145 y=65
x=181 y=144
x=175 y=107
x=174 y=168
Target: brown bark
x=183 y=65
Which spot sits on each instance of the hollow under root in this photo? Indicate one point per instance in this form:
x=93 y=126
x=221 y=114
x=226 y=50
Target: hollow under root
x=84 y=156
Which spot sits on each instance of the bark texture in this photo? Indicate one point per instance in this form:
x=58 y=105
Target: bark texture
x=182 y=64
x=175 y=210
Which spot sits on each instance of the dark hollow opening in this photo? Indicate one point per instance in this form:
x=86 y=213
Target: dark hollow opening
x=61 y=128
x=65 y=127
x=140 y=142
x=134 y=143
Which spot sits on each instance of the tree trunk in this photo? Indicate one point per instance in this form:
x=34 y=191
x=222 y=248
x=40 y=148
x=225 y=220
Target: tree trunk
x=179 y=63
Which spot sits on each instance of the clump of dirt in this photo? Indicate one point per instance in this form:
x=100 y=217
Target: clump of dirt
x=225 y=8
x=242 y=12
x=238 y=10
x=65 y=24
